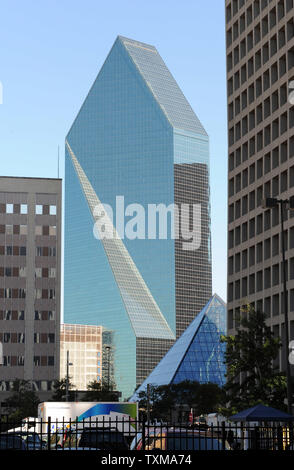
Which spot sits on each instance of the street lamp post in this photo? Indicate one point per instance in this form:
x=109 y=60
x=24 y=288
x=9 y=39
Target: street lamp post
x=67 y=376
x=270 y=203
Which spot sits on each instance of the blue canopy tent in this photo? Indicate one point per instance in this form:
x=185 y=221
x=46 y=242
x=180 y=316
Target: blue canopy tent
x=262 y=413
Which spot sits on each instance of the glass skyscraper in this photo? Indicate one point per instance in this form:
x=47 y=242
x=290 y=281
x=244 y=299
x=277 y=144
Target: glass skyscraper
x=136 y=142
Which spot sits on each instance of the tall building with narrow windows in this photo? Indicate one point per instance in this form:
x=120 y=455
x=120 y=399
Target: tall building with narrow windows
x=136 y=142
x=30 y=259
x=260 y=68
x=81 y=347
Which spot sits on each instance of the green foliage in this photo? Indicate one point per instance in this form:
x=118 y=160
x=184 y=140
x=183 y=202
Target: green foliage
x=251 y=376
x=59 y=392
x=97 y=391
x=23 y=402
x=203 y=398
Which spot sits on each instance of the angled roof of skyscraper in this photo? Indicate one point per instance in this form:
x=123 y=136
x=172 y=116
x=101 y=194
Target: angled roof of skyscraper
x=163 y=86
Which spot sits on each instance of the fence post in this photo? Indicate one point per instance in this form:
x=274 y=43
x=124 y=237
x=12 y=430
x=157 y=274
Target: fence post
x=49 y=433
x=143 y=435
x=223 y=435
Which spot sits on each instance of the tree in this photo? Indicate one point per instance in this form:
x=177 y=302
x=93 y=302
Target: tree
x=251 y=376
x=203 y=398
x=23 y=402
x=59 y=388
x=97 y=391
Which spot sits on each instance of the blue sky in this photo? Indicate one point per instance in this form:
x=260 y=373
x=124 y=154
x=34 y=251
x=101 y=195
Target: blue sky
x=51 y=52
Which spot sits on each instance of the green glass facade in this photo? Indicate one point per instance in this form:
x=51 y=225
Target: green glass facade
x=132 y=137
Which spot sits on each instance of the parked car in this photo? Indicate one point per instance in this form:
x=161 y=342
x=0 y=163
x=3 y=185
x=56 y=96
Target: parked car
x=31 y=439
x=178 y=439
x=102 y=439
x=10 y=441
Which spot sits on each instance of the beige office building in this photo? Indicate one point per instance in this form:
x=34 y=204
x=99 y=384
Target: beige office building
x=84 y=346
x=260 y=67
x=30 y=260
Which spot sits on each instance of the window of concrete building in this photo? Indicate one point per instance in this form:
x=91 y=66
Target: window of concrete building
x=231 y=239
x=259 y=283
x=23 y=208
x=251 y=146
x=257 y=34
x=266 y=108
x=242 y=49
x=284 y=151
x=257 y=60
x=259 y=252
x=244 y=259
x=258 y=87
x=237 y=289
x=251 y=120
x=237 y=182
x=274 y=73
x=289 y=5
x=281 y=10
x=250 y=70
x=275 y=186
x=244 y=152
x=252 y=228
x=264 y=25
x=251 y=255
x=275 y=274
x=244 y=205
x=267 y=306
x=231 y=265
x=231 y=161
x=273 y=45
x=52 y=210
x=266 y=80
x=237 y=262
x=282 y=68
x=252 y=200
x=249 y=15
x=39 y=209
x=259 y=168
x=267 y=278
x=252 y=284
x=272 y=18
x=259 y=224
x=252 y=173
x=290 y=29
x=267 y=163
x=236 y=55
x=275 y=216
x=284 y=181
x=259 y=195
x=256 y=8
x=237 y=236
x=275 y=305
x=245 y=178
x=244 y=286
x=23 y=229
x=284 y=123
x=265 y=53
x=275 y=245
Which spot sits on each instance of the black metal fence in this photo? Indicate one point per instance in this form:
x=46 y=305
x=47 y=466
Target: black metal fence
x=129 y=435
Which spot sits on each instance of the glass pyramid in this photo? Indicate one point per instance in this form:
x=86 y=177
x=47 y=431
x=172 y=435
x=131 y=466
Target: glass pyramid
x=198 y=355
